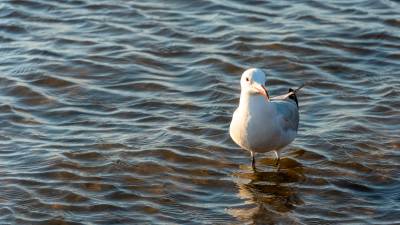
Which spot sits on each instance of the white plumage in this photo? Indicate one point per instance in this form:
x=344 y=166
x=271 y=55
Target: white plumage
x=261 y=123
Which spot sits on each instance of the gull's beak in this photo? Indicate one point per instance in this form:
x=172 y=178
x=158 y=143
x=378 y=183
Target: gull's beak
x=262 y=90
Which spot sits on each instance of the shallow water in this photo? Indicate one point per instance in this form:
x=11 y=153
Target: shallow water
x=117 y=112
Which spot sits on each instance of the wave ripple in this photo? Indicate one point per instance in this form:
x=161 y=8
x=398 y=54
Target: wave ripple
x=117 y=112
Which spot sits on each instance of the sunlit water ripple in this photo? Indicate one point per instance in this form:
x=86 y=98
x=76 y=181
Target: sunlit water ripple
x=117 y=112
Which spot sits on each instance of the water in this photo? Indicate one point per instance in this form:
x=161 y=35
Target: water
x=117 y=112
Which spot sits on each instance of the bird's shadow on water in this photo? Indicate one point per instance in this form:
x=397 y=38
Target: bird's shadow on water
x=268 y=193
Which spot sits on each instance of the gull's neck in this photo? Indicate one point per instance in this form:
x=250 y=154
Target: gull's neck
x=249 y=101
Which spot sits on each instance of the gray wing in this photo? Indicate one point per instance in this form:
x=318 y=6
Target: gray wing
x=281 y=97
x=288 y=112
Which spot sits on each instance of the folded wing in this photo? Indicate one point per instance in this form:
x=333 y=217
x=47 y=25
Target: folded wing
x=287 y=107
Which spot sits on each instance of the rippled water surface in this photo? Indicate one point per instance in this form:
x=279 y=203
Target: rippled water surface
x=117 y=112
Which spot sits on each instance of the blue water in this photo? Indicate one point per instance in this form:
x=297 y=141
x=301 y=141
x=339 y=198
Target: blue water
x=117 y=112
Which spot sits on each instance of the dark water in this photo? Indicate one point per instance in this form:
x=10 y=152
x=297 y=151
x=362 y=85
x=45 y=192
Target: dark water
x=117 y=112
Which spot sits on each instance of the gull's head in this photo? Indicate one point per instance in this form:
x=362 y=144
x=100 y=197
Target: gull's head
x=253 y=82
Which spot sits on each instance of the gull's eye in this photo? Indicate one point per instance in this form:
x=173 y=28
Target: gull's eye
x=247 y=79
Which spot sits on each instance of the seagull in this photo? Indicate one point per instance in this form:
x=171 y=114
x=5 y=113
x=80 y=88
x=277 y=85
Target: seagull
x=260 y=123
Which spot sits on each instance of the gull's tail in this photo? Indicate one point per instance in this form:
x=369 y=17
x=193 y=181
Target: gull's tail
x=298 y=89
x=292 y=94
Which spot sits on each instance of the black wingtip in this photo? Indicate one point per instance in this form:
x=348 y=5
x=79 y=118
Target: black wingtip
x=293 y=96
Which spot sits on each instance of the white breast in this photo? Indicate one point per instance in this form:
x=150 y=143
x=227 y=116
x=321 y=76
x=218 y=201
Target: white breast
x=263 y=126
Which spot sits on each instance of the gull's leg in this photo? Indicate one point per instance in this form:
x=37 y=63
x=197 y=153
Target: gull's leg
x=277 y=158
x=253 y=161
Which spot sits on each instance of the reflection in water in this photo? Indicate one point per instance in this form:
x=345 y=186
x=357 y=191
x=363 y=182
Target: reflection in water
x=268 y=195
